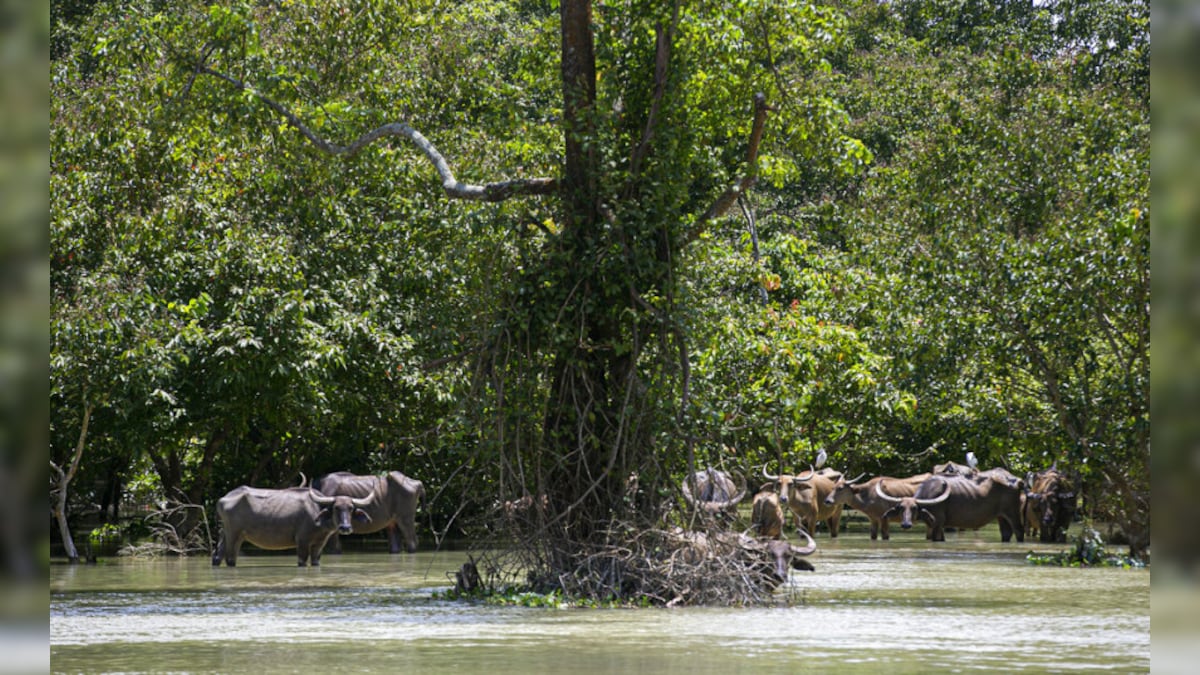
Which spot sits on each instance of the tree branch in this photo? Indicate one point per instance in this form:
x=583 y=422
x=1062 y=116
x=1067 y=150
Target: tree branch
x=489 y=192
x=664 y=37
x=747 y=181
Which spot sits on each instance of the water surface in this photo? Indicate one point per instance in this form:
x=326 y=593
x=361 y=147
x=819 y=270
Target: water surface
x=903 y=606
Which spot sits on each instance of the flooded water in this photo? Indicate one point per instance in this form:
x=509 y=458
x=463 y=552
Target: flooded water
x=904 y=606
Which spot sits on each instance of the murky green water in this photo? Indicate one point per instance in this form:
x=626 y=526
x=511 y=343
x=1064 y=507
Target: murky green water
x=904 y=606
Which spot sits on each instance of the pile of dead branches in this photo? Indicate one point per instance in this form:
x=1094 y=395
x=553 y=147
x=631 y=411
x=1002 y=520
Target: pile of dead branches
x=694 y=562
x=168 y=535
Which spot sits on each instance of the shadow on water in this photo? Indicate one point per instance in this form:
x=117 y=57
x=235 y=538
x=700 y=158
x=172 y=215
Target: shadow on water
x=904 y=606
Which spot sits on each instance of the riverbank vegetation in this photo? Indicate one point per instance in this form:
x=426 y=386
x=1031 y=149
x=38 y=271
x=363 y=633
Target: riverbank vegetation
x=573 y=251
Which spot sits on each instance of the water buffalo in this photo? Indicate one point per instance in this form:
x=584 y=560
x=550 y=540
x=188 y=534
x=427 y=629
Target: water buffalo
x=715 y=492
x=766 y=518
x=804 y=494
x=299 y=518
x=395 y=506
x=1050 y=504
x=862 y=497
x=955 y=501
x=955 y=469
x=771 y=558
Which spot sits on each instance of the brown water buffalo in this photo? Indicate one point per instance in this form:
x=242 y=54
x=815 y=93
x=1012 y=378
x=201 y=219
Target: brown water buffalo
x=862 y=497
x=714 y=492
x=299 y=518
x=1050 y=504
x=395 y=506
x=766 y=518
x=775 y=556
x=804 y=495
x=955 y=501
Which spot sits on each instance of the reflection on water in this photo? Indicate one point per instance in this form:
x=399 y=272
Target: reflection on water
x=903 y=606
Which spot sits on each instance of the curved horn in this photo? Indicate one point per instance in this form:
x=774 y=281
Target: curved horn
x=687 y=492
x=811 y=472
x=320 y=498
x=767 y=475
x=714 y=506
x=303 y=479
x=362 y=502
x=936 y=500
x=810 y=548
x=721 y=506
x=879 y=491
x=856 y=478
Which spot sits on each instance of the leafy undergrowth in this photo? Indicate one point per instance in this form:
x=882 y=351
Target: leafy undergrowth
x=1088 y=551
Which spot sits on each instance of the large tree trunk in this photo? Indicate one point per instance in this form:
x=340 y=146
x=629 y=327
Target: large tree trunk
x=575 y=418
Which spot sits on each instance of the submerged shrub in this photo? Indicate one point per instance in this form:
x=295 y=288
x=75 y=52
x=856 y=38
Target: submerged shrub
x=1088 y=551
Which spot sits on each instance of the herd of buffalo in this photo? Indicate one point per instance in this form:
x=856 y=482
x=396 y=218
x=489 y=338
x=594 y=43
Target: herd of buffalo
x=953 y=495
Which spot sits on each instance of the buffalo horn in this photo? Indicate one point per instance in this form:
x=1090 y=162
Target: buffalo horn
x=808 y=549
x=856 y=478
x=687 y=492
x=319 y=498
x=938 y=499
x=879 y=491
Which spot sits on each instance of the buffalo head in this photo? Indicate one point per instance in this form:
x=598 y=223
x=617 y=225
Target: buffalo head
x=841 y=490
x=785 y=483
x=908 y=507
x=340 y=510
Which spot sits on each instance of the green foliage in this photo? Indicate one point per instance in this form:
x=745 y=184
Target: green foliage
x=1008 y=220
x=1088 y=550
x=106 y=533
x=949 y=248
x=514 y=596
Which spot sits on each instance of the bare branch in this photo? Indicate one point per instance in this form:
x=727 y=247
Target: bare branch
x=730 y=196
x=489 y=192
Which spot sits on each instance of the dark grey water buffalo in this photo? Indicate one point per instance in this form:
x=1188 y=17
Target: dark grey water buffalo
x=394 y=507
x=862 y=497
x=1050 y=504
x=713 y=492
x=299 y=518
x=970 y=503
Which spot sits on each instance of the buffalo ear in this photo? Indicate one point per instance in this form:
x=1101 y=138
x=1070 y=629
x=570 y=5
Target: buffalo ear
x=799 y=563
x=324 y=516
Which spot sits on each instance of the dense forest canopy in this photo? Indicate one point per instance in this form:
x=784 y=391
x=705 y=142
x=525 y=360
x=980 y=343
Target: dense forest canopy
x=716 y=233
